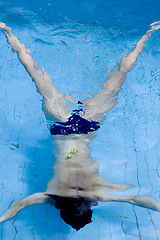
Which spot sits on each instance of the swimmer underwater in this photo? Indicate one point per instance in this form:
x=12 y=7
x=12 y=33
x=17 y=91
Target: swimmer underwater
x=76 y=185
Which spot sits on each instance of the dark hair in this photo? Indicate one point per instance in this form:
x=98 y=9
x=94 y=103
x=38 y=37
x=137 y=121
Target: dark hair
x=76 y=212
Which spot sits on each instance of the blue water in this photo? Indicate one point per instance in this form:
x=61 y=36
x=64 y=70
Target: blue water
x=78 y=42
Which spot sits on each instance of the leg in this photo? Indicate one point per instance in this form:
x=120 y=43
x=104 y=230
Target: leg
x=37 y=198
x=105 y=100
x=41 y=78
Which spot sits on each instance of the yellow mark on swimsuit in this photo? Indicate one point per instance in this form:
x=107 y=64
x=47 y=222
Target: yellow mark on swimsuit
x=73 y=151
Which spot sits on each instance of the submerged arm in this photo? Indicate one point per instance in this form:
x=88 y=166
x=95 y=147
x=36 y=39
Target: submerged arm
x=37 y=198
x=143 y=201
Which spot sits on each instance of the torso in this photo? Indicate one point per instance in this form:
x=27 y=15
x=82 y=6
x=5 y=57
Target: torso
x=75 y=171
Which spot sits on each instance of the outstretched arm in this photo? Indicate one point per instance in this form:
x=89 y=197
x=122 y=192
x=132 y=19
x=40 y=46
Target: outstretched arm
x=42 y=79
x=37 y=198
x=143 y=201
x=102 y=102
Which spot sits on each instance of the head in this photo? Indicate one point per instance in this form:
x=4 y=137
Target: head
x=76 y=212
